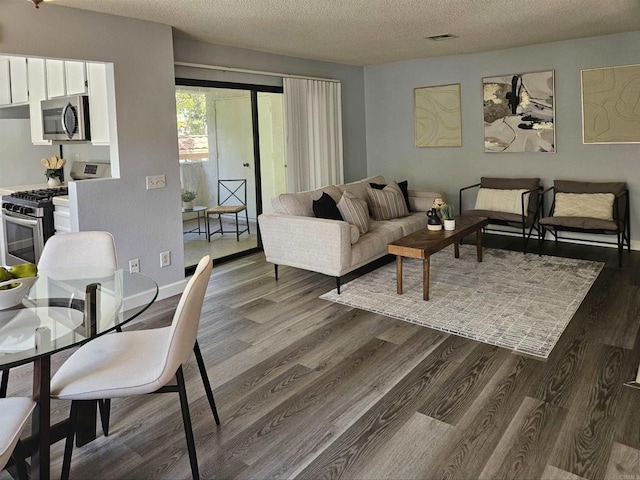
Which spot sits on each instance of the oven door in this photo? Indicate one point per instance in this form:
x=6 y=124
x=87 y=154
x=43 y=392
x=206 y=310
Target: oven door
x=23 y=238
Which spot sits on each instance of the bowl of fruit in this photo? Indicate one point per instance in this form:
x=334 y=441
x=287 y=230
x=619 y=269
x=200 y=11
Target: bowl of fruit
x=15 y=283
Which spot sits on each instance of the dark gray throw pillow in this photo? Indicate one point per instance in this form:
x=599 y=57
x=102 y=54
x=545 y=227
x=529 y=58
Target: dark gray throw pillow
x=404 y=186
x=325 y=207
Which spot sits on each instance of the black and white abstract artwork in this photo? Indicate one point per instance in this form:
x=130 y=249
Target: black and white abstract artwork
x=519 y=113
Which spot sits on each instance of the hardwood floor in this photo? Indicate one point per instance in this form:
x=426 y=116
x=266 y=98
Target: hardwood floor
x=310 y=389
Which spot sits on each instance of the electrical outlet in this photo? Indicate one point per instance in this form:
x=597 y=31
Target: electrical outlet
x=134 y=266
x=156 y=181
x=165 y=259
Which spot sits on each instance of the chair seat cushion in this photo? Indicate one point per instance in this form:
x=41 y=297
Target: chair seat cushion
x=114 y=365
x=226 y=209
x=583 y=223
x=503 y=216
x=14 y=413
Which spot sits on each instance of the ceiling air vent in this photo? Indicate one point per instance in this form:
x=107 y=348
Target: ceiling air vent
x=439 y=38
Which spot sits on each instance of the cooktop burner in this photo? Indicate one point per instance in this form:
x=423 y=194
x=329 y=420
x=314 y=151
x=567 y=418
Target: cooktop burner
x=39 y=196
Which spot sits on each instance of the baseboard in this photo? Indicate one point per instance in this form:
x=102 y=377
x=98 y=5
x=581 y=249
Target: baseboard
x=164 y=291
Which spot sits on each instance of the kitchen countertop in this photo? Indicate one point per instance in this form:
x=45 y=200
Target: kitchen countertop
x=61 y=200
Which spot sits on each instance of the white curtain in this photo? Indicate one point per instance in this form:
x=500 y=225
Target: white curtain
x=313 y=119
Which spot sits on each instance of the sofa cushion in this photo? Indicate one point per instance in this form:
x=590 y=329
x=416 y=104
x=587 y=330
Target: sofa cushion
x=387 y=203
x=412 y=223
x=359 y=188
x=355 y=211
x=498 y=200
x=326 y=207
x=301 y=203
x=587 y=205
x=355 y=234
x=404 y=186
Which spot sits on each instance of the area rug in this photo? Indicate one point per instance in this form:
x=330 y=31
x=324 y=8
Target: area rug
x=516 y=301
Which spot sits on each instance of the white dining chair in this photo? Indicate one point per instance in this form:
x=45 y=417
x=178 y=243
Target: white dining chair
x=14 y=413
x=79 y=249
x=136 y=363
x=73 y=250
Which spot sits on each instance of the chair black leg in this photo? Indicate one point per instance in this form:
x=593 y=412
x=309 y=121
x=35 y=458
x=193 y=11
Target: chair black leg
x=220 y=221
x=338 y=284
x=205 y=381
x=105 y=414
x=275 y=268
x=186 y=420
x=4 y=383
x=68 y=446
x=246 y=216
x=620 y=248
x=237 y=229
x=18 y=457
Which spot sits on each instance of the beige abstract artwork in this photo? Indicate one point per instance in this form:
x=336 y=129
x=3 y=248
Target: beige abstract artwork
x=611 y=105
x=437 y=116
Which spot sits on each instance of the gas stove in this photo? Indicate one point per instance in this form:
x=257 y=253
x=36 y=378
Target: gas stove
x=27 y=218
x=35 y=203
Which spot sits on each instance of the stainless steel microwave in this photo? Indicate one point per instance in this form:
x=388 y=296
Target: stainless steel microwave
x=66 y=119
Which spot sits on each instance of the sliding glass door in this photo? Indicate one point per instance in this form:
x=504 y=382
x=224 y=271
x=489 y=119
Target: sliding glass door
x=231 y=149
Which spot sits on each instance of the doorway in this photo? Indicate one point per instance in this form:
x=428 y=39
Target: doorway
x=231 y=153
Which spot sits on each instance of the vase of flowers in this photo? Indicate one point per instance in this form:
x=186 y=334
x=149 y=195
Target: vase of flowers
x=53 y=177
x=53 y=170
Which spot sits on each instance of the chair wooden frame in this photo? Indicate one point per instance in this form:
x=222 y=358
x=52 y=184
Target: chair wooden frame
x=621 y=219
x=529 y=217
x=236 y=190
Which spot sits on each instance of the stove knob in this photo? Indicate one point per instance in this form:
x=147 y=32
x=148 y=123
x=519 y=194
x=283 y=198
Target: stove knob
x=26 y=210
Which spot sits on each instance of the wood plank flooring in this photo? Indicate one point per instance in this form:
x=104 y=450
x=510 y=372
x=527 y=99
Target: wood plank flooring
x=309 y=389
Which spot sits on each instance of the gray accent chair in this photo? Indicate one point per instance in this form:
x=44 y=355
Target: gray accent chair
x=619 y=226
x=526 y=220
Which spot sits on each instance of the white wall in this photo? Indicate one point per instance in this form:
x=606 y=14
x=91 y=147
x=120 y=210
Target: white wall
x=19 y=158
x=143 y=222
x=389 y=119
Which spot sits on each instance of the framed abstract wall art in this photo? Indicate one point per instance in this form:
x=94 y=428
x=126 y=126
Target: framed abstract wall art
x=437 y=116
x=519 y=113
x=611 y=104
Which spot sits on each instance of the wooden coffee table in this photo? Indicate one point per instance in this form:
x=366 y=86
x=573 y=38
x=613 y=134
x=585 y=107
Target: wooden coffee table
x=424 y=243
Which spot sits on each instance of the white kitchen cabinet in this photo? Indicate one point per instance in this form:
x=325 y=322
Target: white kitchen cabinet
x=98 y=103
x=76 y=76
x=18 y=75
x=5 y=82
x=65 y=77
x=37 y=75
x=56 y=83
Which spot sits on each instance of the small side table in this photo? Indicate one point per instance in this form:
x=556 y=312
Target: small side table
x=200 y=211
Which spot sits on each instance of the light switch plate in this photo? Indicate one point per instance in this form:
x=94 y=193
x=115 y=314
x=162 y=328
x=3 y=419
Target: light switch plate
x=156 y=181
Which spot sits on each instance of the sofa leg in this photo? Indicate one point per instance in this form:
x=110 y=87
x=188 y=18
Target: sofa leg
x=338 y=285
x=275 y=269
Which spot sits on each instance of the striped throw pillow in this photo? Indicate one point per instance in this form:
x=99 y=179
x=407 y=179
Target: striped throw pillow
x=354 y=211
x=387 y=203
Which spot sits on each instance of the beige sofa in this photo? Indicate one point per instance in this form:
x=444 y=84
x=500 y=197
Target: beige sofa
x=293 y=236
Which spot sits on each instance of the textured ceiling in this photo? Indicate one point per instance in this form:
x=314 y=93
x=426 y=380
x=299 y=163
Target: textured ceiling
x=368 y=32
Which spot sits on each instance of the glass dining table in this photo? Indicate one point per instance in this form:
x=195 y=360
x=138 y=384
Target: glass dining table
x=66 y=308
